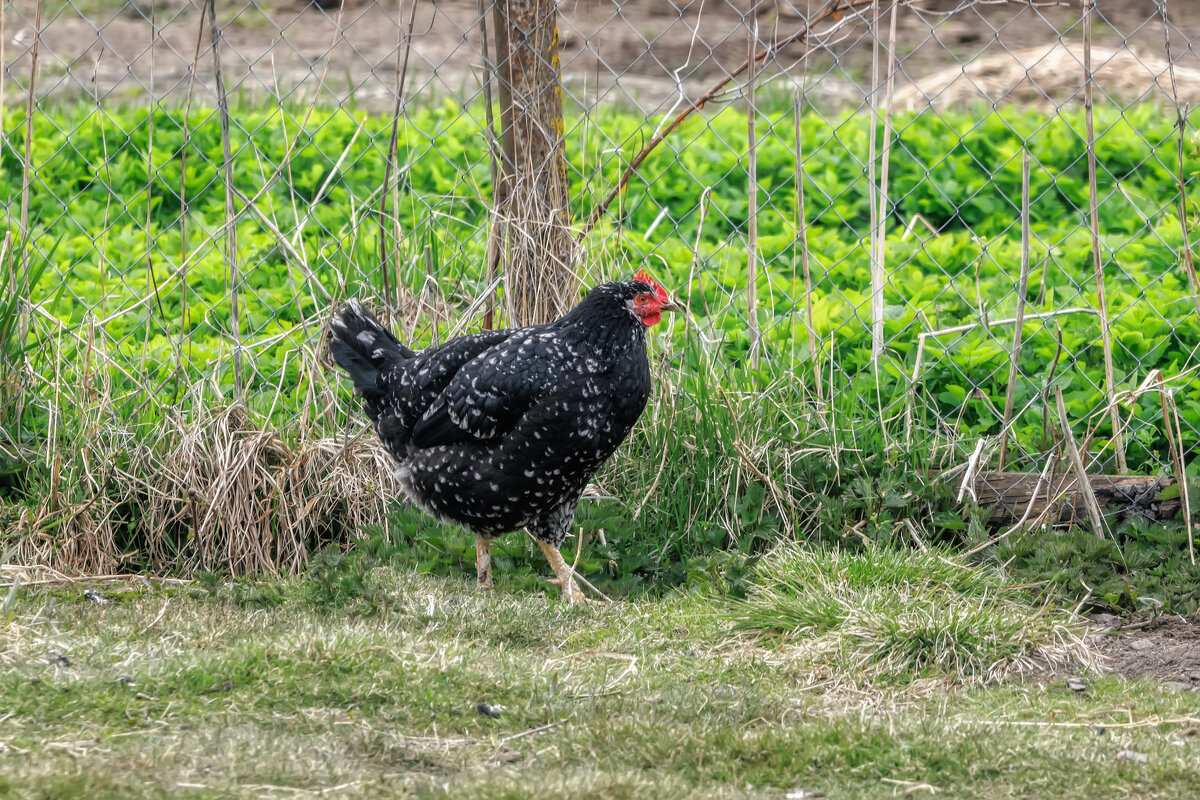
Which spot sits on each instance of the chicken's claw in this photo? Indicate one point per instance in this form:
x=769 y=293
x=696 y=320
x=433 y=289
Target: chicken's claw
x=564 y=575
x=573 y=595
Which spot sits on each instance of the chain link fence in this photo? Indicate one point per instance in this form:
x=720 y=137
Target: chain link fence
x=930 y=220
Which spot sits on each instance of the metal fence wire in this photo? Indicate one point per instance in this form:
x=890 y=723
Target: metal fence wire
x=996 y=205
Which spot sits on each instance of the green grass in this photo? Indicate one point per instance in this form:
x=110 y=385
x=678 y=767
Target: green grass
x=1142 y=569
x=896 y=613
x=251 y=689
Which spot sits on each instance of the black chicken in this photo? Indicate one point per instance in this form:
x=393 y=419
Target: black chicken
x=502 y=430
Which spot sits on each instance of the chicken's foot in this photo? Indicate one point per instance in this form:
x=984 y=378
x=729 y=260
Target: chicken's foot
x=483 y=561
x=566 y=576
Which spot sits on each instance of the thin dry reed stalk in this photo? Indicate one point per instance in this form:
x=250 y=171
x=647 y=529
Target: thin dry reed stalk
x=802 y=239
x=1085 y=486
x=873 y=204
x=705 y=201
x=752 y=197
x=387 y=260
x=1040 y=300
x=492 y=276
x=27 y=165
x=231 y=254
x=1170 y=414
x=1022 y=289
x=879 y=262
x=879 y=276
x=1058 y=351
x=334 y=172
x=184 y=212
x=1110 y=388
x=1183 y=484
x=3 y=82
x=151 y=173
x=1189 y=262
x=833 y=10
x=22 y=257
x=428 y=290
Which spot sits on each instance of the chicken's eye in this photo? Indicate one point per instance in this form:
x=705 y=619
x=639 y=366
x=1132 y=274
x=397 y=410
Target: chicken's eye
x=641 y=299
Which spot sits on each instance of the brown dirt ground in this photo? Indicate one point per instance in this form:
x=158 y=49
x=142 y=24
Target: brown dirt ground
x=1166 y=648
x=631 y=48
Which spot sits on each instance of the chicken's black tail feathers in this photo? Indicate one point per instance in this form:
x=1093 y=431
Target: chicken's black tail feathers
x=364 y=348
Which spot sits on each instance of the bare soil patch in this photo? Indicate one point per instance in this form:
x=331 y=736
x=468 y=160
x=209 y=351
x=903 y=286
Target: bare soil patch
x=1166 y=648
x=640 y=51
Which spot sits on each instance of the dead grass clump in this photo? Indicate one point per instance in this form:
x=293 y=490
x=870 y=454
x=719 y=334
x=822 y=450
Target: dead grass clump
x=218 y=492
x=75 y=525
x=415 y=311
x=246 y=501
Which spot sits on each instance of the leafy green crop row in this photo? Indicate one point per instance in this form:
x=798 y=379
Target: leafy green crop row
x=163 y=292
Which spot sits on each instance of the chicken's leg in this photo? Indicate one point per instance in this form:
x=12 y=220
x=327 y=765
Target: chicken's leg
x=483 y=561
x=562 y=569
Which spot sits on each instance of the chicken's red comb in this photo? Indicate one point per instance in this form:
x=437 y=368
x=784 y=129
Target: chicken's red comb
x=645 y=277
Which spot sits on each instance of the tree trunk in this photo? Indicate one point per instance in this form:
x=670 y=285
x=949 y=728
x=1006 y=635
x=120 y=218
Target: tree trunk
x=532 y=228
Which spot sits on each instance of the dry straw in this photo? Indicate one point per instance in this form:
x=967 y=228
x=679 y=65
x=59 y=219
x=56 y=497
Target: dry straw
x=27 y=165
x=231 y=262
x=1019 y=324
x=391 y=185
x=1181 y=125
x=752 y=200
x=1171 y=429
x=1076 y=459
x=209 y=489
x=216 y=493
x=879 y=191
x=802 y=240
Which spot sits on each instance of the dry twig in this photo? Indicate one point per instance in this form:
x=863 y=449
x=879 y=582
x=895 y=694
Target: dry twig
x=1110 y=387
x=1022 y=290
x=832 y=10
x=1085 y=486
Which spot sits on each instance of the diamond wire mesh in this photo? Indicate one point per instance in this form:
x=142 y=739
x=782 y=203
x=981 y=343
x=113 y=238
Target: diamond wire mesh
x=126 y=199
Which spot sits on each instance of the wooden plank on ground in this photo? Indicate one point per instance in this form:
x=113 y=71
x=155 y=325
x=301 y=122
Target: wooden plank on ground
x=1008 y=495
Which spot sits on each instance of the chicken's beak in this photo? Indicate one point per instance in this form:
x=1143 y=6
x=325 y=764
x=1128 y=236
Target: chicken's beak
x=672 y=305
